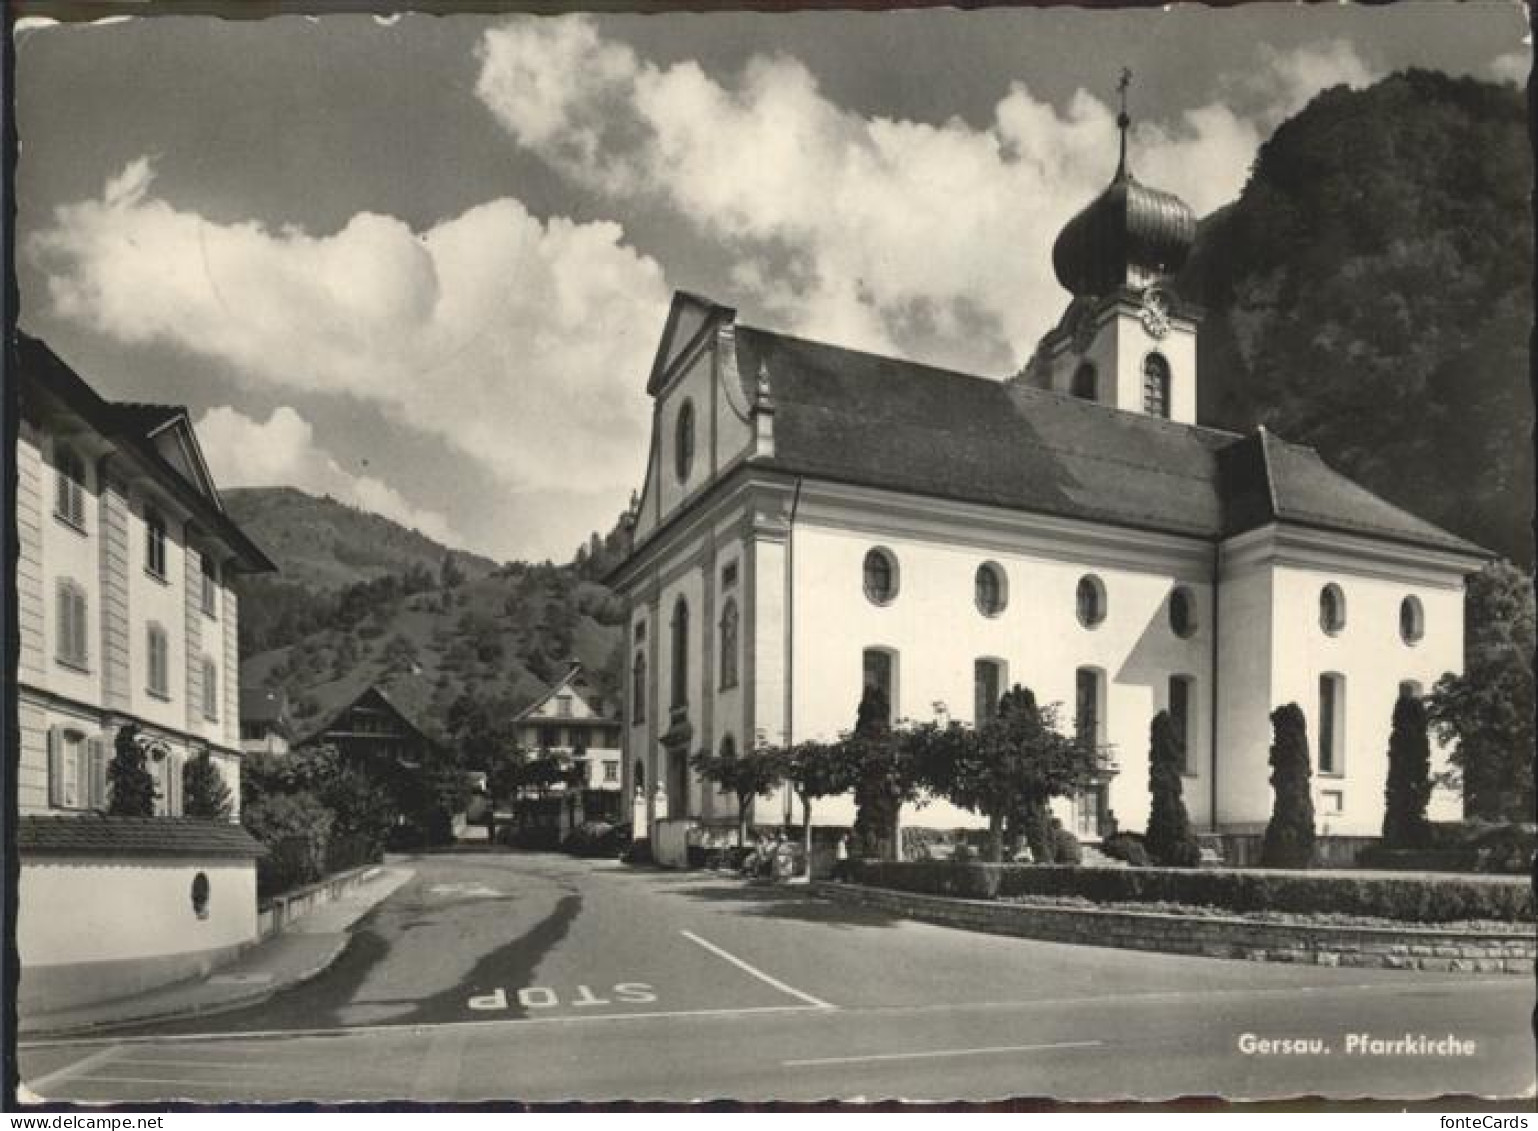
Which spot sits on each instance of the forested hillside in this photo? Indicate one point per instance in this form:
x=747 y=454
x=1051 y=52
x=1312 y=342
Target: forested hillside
x=1370 y=294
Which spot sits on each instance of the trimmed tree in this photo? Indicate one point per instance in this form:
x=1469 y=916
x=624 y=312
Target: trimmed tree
x=130 y=784
x=750 y=774
x=1409 y=778
x=883 y=777
x=204 y=793
x=815 y=770
x=1289 y=840
x=1169 y=839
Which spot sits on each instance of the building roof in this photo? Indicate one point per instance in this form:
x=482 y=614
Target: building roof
x=263 y=705
x=98 y=834
x=875 y=421
x=573 y=679
x=371 y=696
x=130 y=426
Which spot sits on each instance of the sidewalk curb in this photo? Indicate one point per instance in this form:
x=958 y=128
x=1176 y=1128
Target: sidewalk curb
x=255 y=996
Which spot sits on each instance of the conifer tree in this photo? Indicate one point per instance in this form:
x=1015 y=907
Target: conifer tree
x=1289 y=840
x=1169 y=839
x=204 y=793
x=131 y=787
x=1409 y=778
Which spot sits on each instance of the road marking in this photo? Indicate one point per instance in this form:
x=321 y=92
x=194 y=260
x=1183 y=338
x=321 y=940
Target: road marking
x=85 y=1064
x=149 y=1062
x=756 y=972
x=940 y=1053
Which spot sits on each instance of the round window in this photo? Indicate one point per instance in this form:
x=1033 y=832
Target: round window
x=1183 y=612
x=1412 y=620
x=991 y=590
x=200 y=895
x=1332 y=609
x=683 y=440
x=880 y=576
x=1090 y=600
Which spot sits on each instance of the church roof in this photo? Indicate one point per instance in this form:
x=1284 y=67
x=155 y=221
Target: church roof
x=884 y=422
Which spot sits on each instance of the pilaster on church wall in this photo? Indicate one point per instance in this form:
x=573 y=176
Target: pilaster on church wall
x=192 y=616
x=115 y=603
x=30 y=598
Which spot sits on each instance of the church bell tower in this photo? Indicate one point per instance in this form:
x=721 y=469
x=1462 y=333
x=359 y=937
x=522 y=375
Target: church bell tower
x=1125 y=339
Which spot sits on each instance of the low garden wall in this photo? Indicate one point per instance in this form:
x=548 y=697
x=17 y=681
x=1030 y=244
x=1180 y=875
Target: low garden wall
x=280 y=911
x=1407 y=898
x=1407 y=947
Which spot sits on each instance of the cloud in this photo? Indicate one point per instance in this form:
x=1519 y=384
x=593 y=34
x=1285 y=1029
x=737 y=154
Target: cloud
x=281 y=451
x=523 y=342
x=1513 y=67
x=929 y=239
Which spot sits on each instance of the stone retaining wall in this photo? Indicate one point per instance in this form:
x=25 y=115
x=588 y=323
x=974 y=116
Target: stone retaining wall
x=1407 y=948
x=283 y=910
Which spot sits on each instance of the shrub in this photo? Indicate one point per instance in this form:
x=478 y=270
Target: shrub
x=1411 y=899
x=131 y=789
x=295 y=828
x=1128 y=847
x=1408 y=789
x=203 y=790
x=594 y=838
x=1065 y=847
x=1289 y=840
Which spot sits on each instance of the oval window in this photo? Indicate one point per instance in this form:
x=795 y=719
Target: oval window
x=200 y=892
x=1089 y=600
x=1412 y=620
x=880 y=576
x=1183 y=612
x=991 y=590
x=683 y=440
x=1332 y=609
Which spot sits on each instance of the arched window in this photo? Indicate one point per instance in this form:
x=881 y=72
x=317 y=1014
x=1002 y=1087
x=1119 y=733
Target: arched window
x=880 y=576
x=1183 y=612
x=69 y=498
x=1410 y=689
x=640 y=774
x=987 y=689
x=990 y=589
x=1332 y=722
x=880 y=672
x=1089 y=600
x=680 y=654
x=683 y=441
x=1084 y=381
x=1332 y=609
x=728 y=747
x=638 y=689
x=1412 y=620
x=729 y=644
x=1182 y=700
x=1156 y=385
x=1089 y=699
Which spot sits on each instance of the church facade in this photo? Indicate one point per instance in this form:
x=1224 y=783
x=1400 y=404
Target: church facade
x=815 y=519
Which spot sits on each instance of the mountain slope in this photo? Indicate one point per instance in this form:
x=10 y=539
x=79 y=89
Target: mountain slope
x=1369 y=294
x=320 y=543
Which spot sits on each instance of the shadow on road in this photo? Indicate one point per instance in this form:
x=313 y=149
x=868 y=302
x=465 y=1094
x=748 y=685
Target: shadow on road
x=772 y=902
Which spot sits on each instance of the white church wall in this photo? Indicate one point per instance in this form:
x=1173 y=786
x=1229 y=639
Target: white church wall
x=1245 y=615
x=683 y=580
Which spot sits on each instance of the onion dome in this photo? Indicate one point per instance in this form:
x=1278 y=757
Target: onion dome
x=1129 y=235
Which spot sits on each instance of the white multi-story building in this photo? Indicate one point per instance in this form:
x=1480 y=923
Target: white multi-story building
x=815 y=519
x=125 y=617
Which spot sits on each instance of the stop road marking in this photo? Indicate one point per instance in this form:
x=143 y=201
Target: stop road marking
x=543 y=997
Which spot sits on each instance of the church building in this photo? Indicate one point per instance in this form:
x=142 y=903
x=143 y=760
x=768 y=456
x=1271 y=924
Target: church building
x=815 y=519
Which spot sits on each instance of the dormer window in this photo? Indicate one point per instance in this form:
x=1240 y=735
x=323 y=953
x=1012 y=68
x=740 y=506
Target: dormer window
x=683 y=441
x=1156 y=385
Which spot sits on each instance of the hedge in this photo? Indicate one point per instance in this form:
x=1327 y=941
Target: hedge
x=1416 y=899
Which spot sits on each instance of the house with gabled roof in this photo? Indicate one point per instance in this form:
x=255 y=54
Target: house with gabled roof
x=126 y=617
x=815 y=520
x=572 y=719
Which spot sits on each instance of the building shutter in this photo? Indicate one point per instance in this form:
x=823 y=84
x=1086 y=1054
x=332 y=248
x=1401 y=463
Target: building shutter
x=97 y=796
x=55 y=768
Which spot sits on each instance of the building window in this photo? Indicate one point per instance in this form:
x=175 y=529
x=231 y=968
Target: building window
x=729 y=644
x=200 y=893
x=159 y=652
x=728 y=747
x=1183 y=612
x=1084 y=380
x=1412 y=620
x=880 y=669
x=1181 y=696
x=563 y=706
x=610 y=771
x=987 y=689
x=638 y=689
x=640 y=775
x=1332 y=802
x=210 y=690
x=990 y=589
x=680 y=654
x=1089 y=694
x=728 y=575
x=71 y=648
x=1089 y=600
x=880 y=576
x=1410 y=689
x=69 y=499
x=1332 y=609
x=1156 y=385
x=1332 y=722
x=210 y=587
x=155 y=543
x=549 y=737
x=683 y=441
x=77 y=770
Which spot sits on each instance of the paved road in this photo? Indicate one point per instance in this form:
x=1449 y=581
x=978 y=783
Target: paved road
x=541 y=978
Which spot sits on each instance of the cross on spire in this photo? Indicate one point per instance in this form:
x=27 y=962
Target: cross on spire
x=1122 y=120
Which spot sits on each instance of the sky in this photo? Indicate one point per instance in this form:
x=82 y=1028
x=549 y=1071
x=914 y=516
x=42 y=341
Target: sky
x=420 y=263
